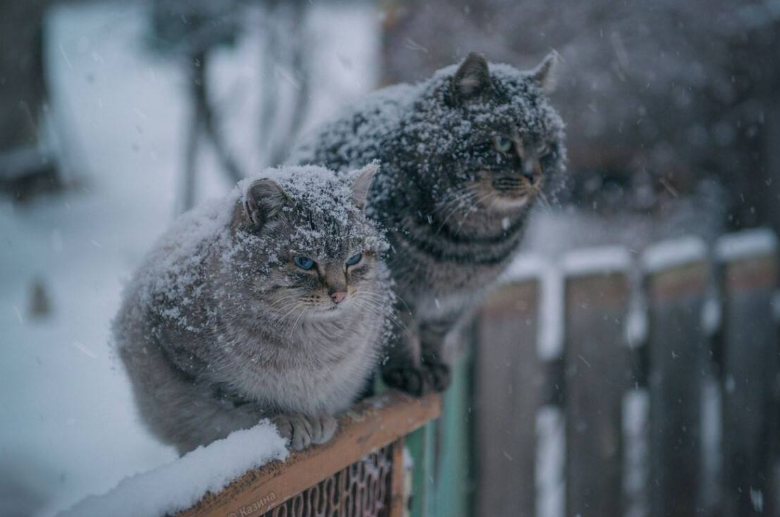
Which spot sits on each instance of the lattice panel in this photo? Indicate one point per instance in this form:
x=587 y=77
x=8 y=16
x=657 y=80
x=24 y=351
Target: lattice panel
x=361 y=490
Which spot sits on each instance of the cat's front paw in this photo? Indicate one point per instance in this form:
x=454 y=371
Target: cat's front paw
x=302 y=431
x=323 y=429
x=417 y=381
x=437 y=376
x=409 y=379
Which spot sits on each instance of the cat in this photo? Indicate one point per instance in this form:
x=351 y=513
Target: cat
x=464 y=157
x=269 y=303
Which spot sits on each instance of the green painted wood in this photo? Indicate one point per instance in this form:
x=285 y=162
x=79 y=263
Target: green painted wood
x=452 y=493
x=420 y=445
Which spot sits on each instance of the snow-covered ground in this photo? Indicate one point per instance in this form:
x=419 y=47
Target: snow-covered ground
x=67 y=422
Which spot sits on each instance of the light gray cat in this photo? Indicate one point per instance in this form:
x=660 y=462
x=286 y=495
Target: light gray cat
x=270 y=302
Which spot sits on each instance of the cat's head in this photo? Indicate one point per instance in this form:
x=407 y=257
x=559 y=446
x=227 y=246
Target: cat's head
x=487 y=135
x=303 y=243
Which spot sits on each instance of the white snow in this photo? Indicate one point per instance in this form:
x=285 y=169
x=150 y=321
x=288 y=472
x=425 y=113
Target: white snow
x=637 y=322
x=711 y=314
x=550 y=462
x=524 y=266
x=636 y=415
x=746 y=244
x=68 y=424
x=674 y=253
x=596 y=261
x=181 y=484
x=549 y=342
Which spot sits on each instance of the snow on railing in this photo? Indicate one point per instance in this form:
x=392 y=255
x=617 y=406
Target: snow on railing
x=251 y=472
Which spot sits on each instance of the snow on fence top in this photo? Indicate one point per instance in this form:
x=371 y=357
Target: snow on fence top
x=179 y=485
x=746 y=244
x=594 y=261
x=523 y=267
x=549 y=342
x=673 y=253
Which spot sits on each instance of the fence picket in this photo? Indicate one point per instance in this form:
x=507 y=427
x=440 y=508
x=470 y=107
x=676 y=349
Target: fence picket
x=677 y=285
x=597 y=375
x=509 y=387
x=750 y=364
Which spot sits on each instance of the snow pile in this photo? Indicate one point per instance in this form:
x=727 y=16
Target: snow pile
x=177 y=486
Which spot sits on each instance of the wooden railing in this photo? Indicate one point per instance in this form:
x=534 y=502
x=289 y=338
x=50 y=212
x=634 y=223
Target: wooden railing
x=360 y=472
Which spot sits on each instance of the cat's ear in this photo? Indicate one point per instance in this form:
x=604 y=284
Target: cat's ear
x=472 y=78
x=263 y=199
x=362 y=183
x=545 y=73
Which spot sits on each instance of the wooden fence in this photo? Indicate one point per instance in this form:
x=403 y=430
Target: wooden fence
x=612 y=383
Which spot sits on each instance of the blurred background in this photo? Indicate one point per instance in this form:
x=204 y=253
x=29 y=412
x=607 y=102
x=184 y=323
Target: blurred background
x=117 y=115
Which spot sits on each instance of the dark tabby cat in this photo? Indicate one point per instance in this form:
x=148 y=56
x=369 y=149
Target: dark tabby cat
x=269 y=303
x=464 y=156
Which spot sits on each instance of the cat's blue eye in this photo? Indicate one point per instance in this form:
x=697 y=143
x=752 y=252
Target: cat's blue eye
x=503 y=144
x=304 y=262
x=354 y=259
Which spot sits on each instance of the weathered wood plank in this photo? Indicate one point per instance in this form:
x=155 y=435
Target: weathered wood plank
x=372 y=424
x=677 y=357
x=750 y=364
x=509 y=388
x=598 y=374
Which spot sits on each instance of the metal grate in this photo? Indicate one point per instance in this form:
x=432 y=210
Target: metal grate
x=361 y=490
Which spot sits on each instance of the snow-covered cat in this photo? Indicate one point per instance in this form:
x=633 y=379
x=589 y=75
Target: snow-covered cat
x=464 y=157
x=269 y=303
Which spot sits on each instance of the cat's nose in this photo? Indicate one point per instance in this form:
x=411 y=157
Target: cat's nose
x=338 y=296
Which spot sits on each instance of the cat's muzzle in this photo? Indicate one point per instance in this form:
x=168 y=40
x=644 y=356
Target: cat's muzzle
x=512 y=186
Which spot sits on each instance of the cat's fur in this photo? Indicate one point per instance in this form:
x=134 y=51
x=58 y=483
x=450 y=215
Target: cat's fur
x=220 y=329
x=454 y=205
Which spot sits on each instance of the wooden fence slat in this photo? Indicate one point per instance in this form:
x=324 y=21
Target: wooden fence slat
x=677 y=287
x=750 y=364
x=509 y=388
x=597 y=376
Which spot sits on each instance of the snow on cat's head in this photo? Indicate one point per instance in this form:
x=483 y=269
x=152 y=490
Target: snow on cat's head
x=487 y=132
x=303 y=245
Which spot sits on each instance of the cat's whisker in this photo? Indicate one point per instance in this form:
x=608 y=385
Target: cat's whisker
x=303 y=311
x=473 y=209
x=458 y=202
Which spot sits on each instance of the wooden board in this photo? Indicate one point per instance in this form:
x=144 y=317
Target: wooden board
x=598 y=374
x=372 y=424
x=509 y=388
x=750 y=365
x=677 y=361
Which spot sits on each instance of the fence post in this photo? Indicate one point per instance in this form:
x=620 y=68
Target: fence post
x=509 y=387
x=749 y=367
x=677 y=284
x=597 y=375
